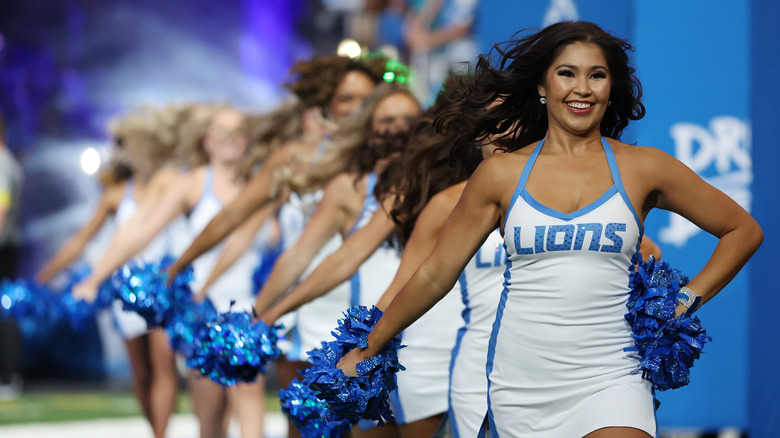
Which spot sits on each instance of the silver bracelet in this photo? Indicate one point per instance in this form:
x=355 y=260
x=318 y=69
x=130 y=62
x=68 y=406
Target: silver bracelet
x=689 y=299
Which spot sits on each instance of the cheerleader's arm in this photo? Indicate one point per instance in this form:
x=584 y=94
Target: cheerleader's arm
x=423 y=239
x=134 y=236
x=339 y=266
x=74 y=246
x=239 y=242
x=475 y=216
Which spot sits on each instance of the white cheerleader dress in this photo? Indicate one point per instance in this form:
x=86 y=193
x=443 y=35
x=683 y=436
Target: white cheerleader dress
x=480 y=289
x=423 y=388
x=129 y=323
x=232 y=291
x=557 y=361
x=375 y=274
x=313 y=322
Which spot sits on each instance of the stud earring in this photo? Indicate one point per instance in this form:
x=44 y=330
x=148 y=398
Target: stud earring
x=609 y=103
x=543 y=100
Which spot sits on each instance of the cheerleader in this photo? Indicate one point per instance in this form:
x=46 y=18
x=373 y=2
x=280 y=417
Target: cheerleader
x=479 y=287
x=144 y=142
x=200 y=193
x=273 y=130
x=427 y=149
x=557 y=362
x=329 y=89
x=412 y=180
x=355 y=157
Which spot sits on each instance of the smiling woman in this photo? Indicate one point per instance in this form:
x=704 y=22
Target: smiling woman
x=570 y=200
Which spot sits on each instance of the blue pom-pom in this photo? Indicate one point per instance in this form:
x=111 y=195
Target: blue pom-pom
x=667 y=345
x=263 y=270
x=29 y=304
x=143 y=289
x=37 y=307
x=187 y=324
x=355 y=398
x=309 y=414
x=77 y=312
x=233 y=348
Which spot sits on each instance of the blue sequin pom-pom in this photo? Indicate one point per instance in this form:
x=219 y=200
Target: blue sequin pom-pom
x=37 y=307
x=309 y=414
x=143 y=289
x=355 y=398
x=667 y=345
x=29 y=304
x=233 y=348
x=188 y=323
x=80 y=313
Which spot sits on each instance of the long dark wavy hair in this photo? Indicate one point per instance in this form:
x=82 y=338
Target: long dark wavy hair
x=435 y=162
x=514 y=69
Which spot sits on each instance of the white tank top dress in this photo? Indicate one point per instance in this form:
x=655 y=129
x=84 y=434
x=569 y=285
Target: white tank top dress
x=375 y=274
x=236 y=285
x=205 y=209
x=129 y=323
x=557 y=361
x=311 y=324
x=232 y=291
x=480 y=289
x=423 y=387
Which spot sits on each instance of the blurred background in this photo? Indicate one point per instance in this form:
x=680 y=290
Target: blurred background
x=708 y=69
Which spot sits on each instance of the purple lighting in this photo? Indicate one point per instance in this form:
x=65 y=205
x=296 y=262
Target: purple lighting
x=269 y=44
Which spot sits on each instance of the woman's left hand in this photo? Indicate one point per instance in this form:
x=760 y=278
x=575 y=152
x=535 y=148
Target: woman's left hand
x=85 y=290
x=349 y=361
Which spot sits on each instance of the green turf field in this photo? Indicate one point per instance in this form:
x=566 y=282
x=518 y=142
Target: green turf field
x=74 y=406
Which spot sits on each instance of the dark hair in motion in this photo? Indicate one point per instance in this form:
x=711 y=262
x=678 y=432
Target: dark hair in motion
x=434 y=162
x=514 y=76
x=315 y=80
x=355 y=147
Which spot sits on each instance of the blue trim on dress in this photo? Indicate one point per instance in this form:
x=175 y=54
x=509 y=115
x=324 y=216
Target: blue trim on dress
x=655 y=412
x=523 y=178
x=617 y=187
x=208 y=188
x=573 y=215
x=613 y=168
x=464 y=294
x=494 y=337
x=482 y=432
x=400 y=418
x=369 y=197
x=354 y=283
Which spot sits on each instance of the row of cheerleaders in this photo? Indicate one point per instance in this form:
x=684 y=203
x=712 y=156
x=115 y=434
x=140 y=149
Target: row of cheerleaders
x=234 y=347
x=364 y=149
